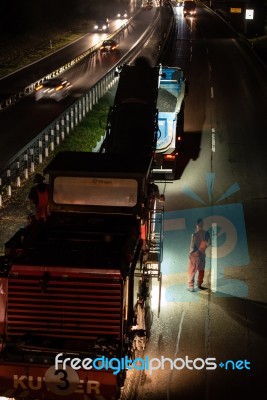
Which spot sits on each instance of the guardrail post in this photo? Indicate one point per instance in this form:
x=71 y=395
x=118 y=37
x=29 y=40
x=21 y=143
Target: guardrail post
x=52 y=145
x=80 y=111
x=26 y=171
x=8 y=174
x=46 y=152
x=83 y=107
x=109 y=78
x=114 y=79
x=32 y=159
x=90 y=100
x=76 y=115
x=40 y=151
x=62 y=129
x=57 y=134
x=102 y=86
x=18 y=175
x=97 y=93
x=67 y=123
x=94 y=96
x=87 y=103
x=71 y=119
x=100 y=90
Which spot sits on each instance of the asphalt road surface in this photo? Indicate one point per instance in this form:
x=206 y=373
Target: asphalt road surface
x=223 y=180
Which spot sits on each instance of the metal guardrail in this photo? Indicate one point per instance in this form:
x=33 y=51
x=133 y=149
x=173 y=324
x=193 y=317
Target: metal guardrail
x=22 y=164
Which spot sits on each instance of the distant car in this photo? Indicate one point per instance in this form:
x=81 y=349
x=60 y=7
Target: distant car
x=102 y=25
x=148 y=5
x=189 y=8
x=122 y=15
x=109 y=46
x=54 y=89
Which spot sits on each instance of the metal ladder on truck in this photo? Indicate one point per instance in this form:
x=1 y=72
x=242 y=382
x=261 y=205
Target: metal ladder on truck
x=154 y=255
x=150 y=268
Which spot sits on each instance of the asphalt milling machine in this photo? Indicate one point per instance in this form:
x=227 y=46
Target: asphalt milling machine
x=76 y=289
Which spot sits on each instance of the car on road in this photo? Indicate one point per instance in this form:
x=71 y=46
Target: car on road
x=53 y=89
x=101 y=25
x=189 y=8
x=122 y=15
x=109 y=45
x=148 y=5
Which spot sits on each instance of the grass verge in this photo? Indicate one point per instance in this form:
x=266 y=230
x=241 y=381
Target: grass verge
x=84 y=137
x=19 y=52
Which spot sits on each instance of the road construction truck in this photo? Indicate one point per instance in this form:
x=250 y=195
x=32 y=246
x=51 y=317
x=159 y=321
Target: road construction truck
x=157 y=96
x=75 y=289
x=132 y=122
x=170 y=104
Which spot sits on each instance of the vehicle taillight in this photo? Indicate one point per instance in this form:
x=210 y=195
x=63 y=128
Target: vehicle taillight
x=169 y=157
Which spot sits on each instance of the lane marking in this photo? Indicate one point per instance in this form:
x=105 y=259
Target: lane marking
x=211 y=92
x=176 y=350
x=209 y=71
x=213 y=140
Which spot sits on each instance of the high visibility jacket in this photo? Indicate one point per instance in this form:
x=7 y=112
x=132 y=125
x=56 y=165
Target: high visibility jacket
x=41 y=206
x=199 y=242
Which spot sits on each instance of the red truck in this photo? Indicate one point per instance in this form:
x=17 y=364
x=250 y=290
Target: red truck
x=75 y=290
x=74 y=285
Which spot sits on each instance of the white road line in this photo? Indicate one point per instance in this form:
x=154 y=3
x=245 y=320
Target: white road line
x=176 y=351
x=211 y=92
x=179 y=334
x=209 y=69
x=213 y=140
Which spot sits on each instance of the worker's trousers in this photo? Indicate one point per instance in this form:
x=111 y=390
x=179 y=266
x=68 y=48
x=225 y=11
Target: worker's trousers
x=196 y=269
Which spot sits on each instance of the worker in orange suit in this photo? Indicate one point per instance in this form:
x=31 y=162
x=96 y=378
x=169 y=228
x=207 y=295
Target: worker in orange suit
x=38 y=196
x=200 y=240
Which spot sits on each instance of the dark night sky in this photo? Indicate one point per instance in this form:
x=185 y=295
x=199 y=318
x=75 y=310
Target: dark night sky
x=18 y=16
